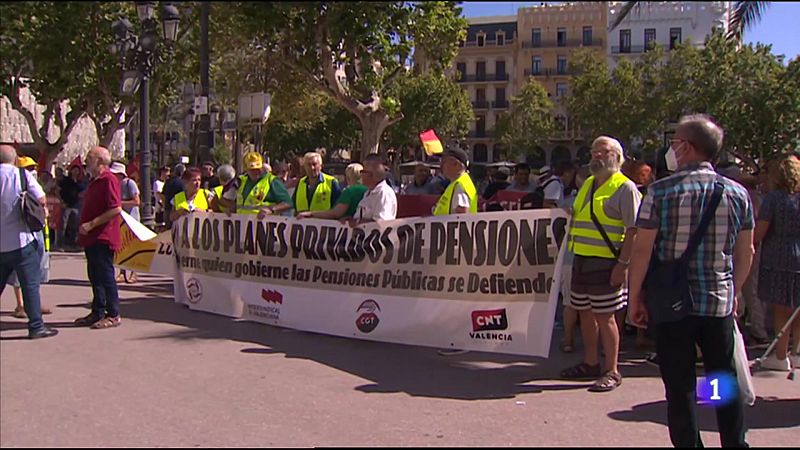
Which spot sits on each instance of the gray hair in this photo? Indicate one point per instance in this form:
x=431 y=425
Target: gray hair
x=179 y=169
x=353 y=173
x=310 y=155
x=226 y=173
x=8 y=155
x=703 y=133
x=613 y=143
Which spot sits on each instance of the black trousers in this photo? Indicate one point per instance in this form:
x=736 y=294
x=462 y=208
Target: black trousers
x=675 y=344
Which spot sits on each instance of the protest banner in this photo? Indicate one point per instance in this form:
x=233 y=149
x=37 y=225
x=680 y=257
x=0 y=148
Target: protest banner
x=143 y=250
x=484 y=281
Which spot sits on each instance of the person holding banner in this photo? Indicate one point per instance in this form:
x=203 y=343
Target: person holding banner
x=380 y=201
x=317 y=191
x=348 y=202
x=256 y=192
x=193 y=198
x=226 y=174
x=601 y=236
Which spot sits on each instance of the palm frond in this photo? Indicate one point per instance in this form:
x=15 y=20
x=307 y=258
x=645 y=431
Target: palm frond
x=743 y=16
x=623 y=13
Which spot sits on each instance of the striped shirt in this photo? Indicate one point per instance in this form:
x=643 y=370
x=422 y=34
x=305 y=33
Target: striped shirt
x=674 y=207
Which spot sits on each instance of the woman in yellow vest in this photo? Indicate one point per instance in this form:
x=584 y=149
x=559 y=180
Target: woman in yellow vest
x=192 y=198
x=316 y=191
x=460 y=197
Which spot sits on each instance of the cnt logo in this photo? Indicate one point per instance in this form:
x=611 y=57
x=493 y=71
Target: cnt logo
x=485 y=323
x=272 y=296
x=368 y=320
x=195 y=290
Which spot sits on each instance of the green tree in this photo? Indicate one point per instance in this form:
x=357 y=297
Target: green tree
x=530 y=121
x=371 y=42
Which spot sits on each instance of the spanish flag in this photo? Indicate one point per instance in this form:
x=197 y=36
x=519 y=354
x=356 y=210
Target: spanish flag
x=431 y=142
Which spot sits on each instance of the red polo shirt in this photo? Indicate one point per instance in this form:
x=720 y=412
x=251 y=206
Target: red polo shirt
x=102 y=194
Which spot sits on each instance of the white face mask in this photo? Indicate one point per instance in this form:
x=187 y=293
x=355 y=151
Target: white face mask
x=671 y=160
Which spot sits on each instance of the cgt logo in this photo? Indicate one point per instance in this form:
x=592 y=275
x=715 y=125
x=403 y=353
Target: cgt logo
x=272 y=296
x=368 y=320
x=494 y=319
x=195 y=290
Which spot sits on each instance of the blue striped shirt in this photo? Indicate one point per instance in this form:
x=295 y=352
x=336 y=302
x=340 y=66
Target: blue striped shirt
x=674 y=207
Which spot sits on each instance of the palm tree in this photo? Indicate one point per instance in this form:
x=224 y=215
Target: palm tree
x=743 y=16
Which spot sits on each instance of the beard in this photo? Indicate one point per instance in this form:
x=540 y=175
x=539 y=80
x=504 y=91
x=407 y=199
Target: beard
x=604 y=165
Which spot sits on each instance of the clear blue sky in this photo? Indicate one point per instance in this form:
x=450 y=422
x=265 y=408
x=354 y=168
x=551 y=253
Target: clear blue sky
x=779 y=25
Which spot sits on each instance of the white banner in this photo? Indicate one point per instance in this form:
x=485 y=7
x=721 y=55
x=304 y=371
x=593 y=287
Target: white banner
x=474 y=282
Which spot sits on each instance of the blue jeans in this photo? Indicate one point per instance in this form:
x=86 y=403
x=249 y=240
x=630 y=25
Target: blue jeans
x=100 y=267
x=25 y=262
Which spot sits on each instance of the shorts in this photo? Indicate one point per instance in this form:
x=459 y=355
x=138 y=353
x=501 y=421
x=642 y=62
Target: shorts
x=590 y=288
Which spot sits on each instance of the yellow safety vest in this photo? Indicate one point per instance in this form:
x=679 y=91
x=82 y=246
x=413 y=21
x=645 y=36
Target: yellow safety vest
x=443 y=204
x=218 y=193
x=321 y=201
x=200 y=201
x=585 y=239
x=256 y=199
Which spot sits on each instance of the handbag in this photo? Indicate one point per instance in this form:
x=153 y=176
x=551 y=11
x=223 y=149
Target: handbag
x=668 y=295
x=32 y=211
x=743 y=376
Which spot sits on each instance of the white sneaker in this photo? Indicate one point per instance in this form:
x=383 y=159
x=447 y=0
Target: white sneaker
x=772 y=362
x=795 y=359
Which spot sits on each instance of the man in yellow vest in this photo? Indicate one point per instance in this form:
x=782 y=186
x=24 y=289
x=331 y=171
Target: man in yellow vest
x=601 y=236
x=317 y=191
x=460 y=197
x=258 y=192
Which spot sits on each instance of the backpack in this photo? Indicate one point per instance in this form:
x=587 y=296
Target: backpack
x=535 y=200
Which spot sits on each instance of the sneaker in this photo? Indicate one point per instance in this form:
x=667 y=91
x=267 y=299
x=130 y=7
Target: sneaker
x=772 y=362
x=451 y=352
x=795 y=360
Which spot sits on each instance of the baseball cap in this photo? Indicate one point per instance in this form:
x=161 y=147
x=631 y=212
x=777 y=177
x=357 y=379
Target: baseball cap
x=25 y=162
x=118 y=167
x=458 y=154
x=252 y=161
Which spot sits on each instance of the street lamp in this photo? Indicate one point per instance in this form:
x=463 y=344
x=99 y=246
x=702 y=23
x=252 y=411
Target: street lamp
x=139 y=56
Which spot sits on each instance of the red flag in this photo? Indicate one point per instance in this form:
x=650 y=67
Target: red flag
x=431 y=142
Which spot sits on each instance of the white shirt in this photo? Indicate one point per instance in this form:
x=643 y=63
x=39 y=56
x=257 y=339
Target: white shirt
x=553 y=190
x=379 y=203
x=158 y=187
x=15 y=233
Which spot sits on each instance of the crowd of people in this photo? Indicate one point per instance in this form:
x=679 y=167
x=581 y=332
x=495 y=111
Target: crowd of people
x=621 y=219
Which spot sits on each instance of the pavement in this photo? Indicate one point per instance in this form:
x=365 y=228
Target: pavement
x=174 y=377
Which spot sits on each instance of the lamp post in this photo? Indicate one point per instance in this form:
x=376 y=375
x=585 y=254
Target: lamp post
x=140 y=55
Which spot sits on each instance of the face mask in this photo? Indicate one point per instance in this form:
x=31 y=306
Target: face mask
x=671 y=159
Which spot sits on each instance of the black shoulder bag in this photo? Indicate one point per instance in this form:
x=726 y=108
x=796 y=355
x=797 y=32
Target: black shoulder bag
x=668 y=295
x=32 y=211
x=599 y=227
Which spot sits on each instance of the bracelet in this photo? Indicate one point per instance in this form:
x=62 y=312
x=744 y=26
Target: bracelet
x=624 y=263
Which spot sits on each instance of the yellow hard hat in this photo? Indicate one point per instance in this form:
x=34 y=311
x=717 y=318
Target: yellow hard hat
x=25 y=162
x=252 y=160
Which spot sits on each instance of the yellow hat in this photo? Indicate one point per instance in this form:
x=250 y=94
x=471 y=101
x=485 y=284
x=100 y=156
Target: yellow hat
x=252 y=160
x=25 y=162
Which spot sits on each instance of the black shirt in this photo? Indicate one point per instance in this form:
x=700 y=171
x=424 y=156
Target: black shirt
x=171 y=188
x=209 y=183
x=70 y=190
x=493 y=187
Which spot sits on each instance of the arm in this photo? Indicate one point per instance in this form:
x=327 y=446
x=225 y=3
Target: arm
x=762 y=227
x=132 y=202
x=278 y=194
x=176 y=213
x=742 y=258
x=336 y=192
x=336 y=212
x=641 y=251
x=100 y=220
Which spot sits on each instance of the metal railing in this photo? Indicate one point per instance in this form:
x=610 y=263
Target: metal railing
x=476 y=78
x=616 y=49
x=550 y=72
x=488 y=43
x=551 y=43
x=500 y=104
x=480 y=105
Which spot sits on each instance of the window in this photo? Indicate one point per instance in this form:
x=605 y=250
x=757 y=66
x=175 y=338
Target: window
x=674 y=37
x=480 y=95
x=462 y=69
x=480 y=126
x=536 y=37
x=500 y=96
x=624 y=41
x=501 y=38
x=562 y=65
x=649 y=38
x=536 y=65
x=561 y=89
x=480 y=153
x=587 y=36
x=481 y=40
x=562 y=37
x=480 y=71
x=500 y=70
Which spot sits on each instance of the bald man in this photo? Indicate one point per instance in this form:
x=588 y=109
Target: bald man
x=20 y=252
x=100 y=238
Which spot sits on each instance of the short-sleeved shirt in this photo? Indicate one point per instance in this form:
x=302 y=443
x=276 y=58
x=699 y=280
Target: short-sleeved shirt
x=554 y=189
x=780 y=249
x=14 y=232
x=623 y=205
x=674 y=206
x=379 y=203
x=102 y=195
x=530 y=187
x=129 y=190
x=351 y=197
x=430 y=187
x=158 y=187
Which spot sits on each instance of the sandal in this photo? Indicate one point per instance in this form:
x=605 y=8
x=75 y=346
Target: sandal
x=567 y=348
x=108 y=322
x=608 y=382
x=19 y=313
x=130 y=279
x=86 y=321
x=582 y=371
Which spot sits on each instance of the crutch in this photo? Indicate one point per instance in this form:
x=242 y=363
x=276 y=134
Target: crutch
x=758 y=361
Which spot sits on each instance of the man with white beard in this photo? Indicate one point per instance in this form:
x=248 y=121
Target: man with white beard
x=601 y=236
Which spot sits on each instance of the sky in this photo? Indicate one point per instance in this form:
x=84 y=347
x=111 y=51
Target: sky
x=778 y=26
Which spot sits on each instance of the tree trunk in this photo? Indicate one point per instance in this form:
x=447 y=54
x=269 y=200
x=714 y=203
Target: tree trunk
x=372 y=127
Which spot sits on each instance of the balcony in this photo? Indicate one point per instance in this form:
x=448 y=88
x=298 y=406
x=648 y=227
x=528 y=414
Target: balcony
x=488 y=43
x=616 y=49
x=550 y=72
x=482 y=78
x=481 y=104
x=554 y=43
x=476 y=134
x=500 y=104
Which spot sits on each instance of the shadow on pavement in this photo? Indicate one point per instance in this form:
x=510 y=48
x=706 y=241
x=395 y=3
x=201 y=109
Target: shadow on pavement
x=390 y=368
x=766 y=413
